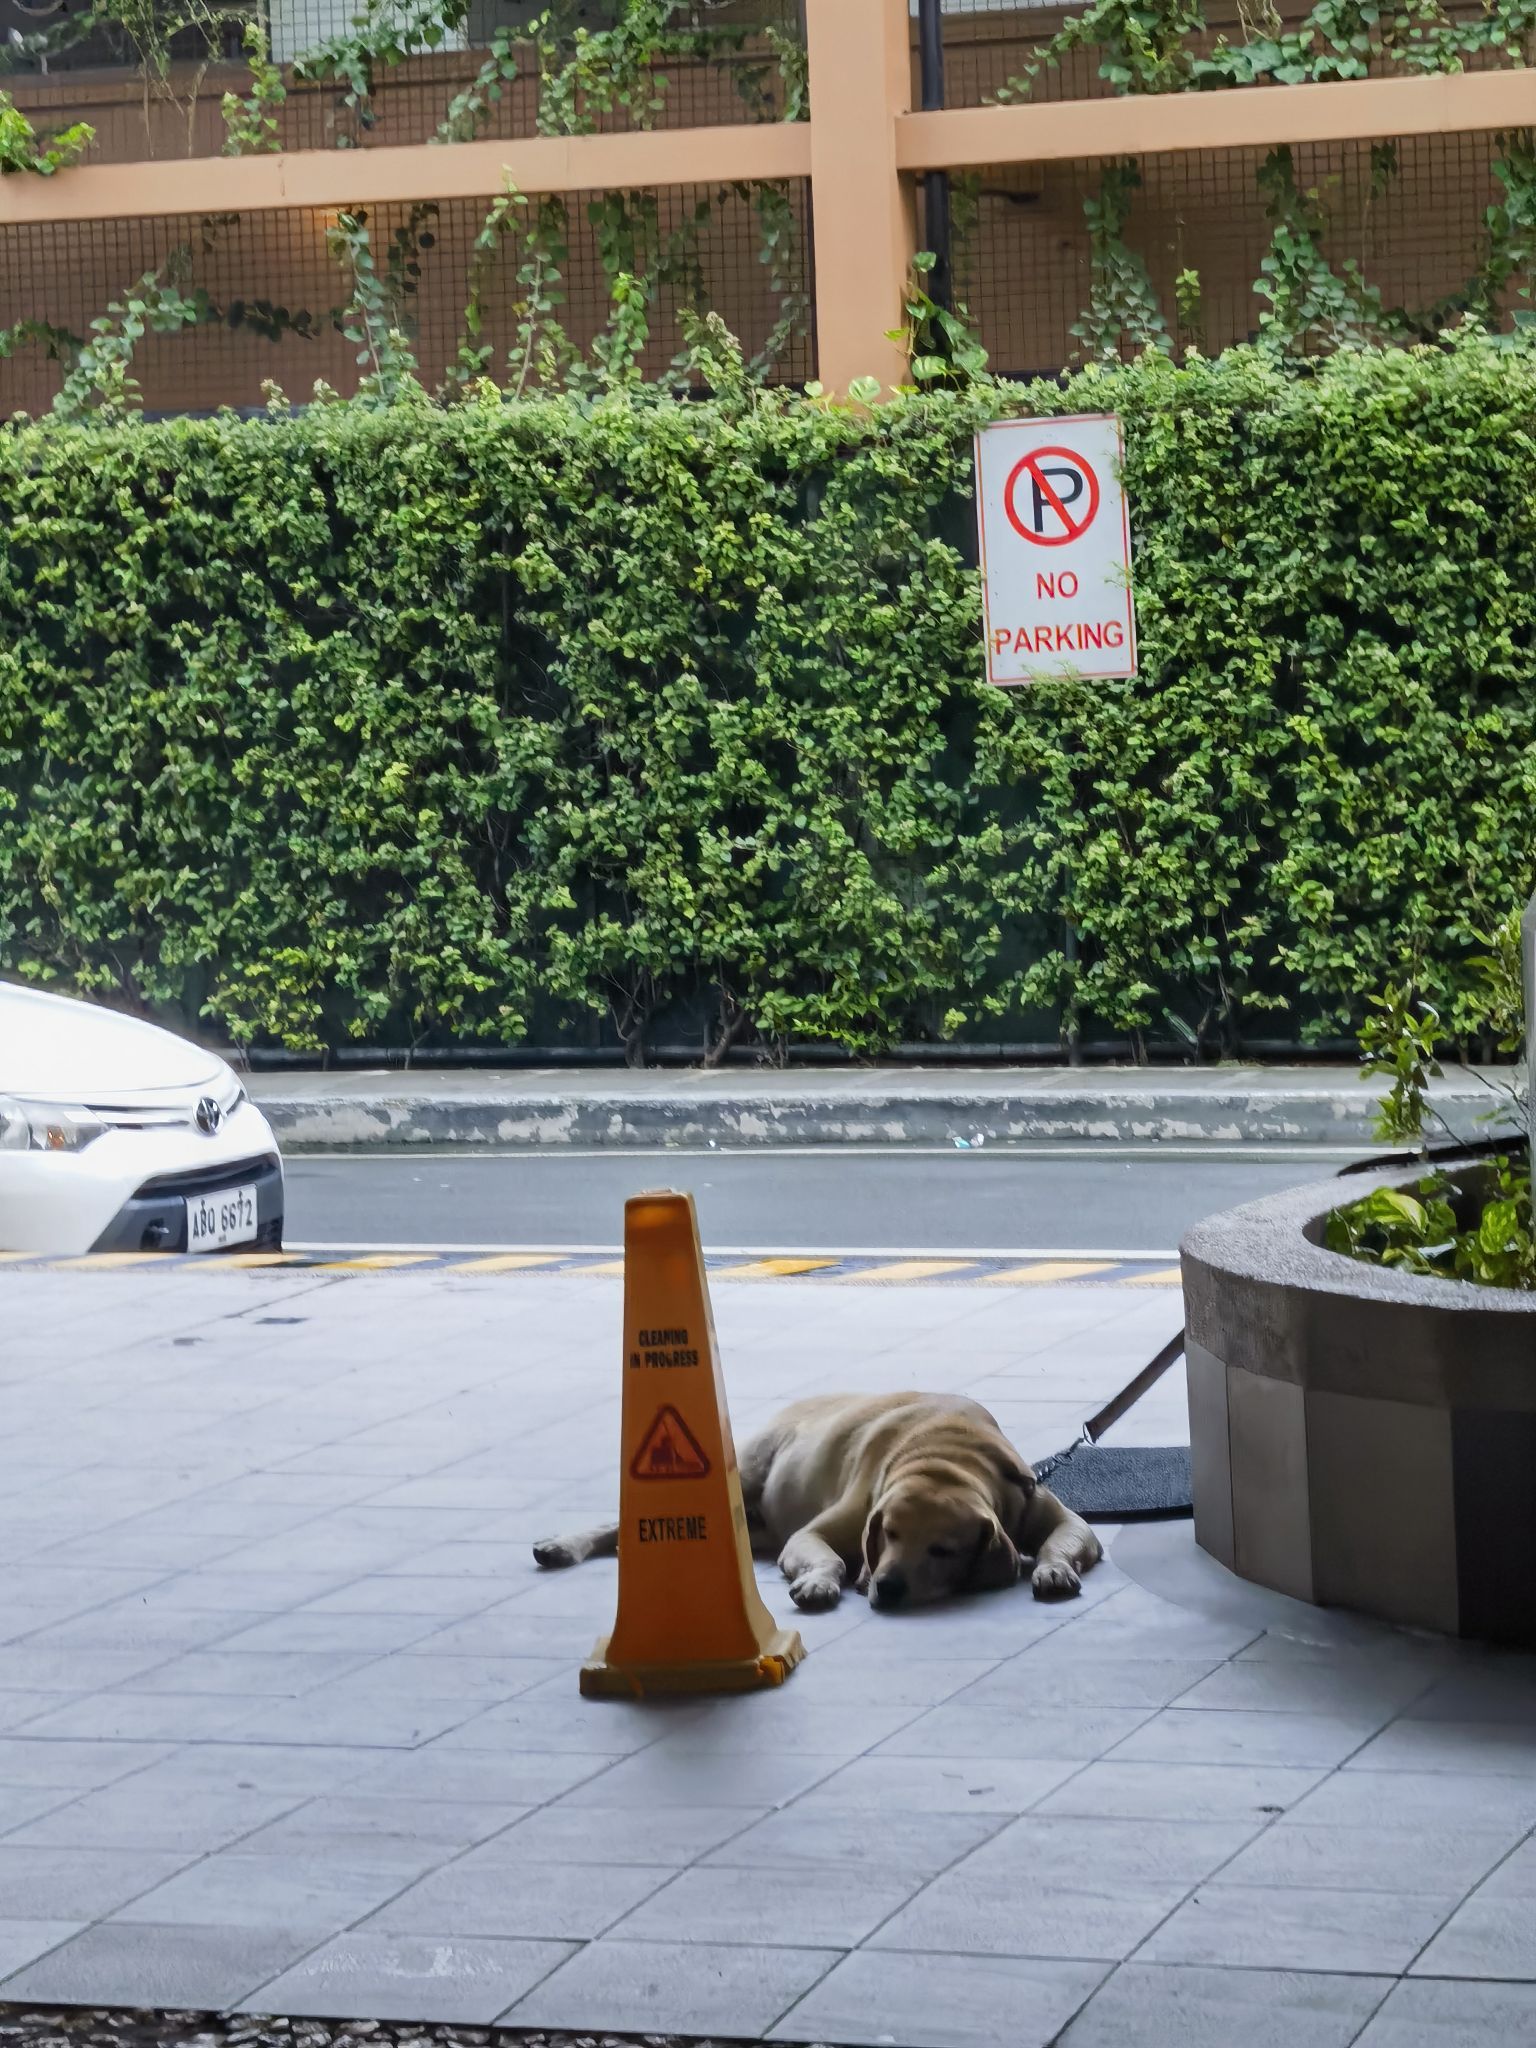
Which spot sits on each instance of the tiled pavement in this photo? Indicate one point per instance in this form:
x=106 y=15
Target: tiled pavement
x=288 y=1719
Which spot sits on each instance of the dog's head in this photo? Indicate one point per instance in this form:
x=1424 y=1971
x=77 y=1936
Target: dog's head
x=940 y=1529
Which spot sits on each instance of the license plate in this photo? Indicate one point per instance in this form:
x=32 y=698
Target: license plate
x=214 y=1221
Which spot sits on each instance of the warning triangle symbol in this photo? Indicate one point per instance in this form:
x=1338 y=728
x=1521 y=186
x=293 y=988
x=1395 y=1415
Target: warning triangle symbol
x=669 y=1450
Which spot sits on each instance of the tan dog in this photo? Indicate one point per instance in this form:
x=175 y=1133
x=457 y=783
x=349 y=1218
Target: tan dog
x=914 y=1495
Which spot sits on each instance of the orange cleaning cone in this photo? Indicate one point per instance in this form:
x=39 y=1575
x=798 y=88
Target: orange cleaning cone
x=690 y=1616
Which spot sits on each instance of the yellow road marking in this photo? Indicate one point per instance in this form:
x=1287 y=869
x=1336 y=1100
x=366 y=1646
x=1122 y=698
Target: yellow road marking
x=609 y=1268
x=374 y=1262
x=507 y=1262
x=915 y=1269
x=770 y=1269
x=1048 y=1271
x=95 y=1261
x=8 y=1258
x=1165 y=1276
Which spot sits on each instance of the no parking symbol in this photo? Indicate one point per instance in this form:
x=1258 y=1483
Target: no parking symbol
x=1055 y=485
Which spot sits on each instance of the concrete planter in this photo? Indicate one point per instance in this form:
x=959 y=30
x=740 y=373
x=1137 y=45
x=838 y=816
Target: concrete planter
x=1361 y=1437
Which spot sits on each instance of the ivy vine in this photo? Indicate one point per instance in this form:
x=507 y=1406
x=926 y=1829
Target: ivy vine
x=1158 y=46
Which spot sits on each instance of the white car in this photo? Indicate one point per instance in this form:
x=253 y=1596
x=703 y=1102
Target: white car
x=116 y=1136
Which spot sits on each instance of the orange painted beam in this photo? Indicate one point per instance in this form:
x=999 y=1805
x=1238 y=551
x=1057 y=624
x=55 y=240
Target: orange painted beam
x=1155 y=124
x=328 y=178
x=864 y=221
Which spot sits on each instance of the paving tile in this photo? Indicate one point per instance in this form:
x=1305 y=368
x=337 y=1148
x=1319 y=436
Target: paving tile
x=810 y=1726
x=549 y=1901
x=998 y=1785
x=668 y=1835
x=1215 y=1735
x=1366 y=1690
x=1404 y=1798
x=250 y=1594
x=409 y=1835
x=410 y=1977
x=1515 y=1877
x=430 y=1596
x=1174 y=2005
x=328 y=1715
x=1022 y=1913
x=234 y=1889
x=941 y=2001
x=1436 y=1860
x=1293 y=1927
x=1488 y=1936
x=1162 y=1852
x=1501 y=1690
x=776 y=1907
x=287 y=1767
x=1505 y=1748
x=468 y=1774
x=134 y=1816
x=1182 y=1791
x=857 y=1670
x=164 y=1966
x=1419 y=2013
x=20 y=1804
x=570 y=1723
x=651 y=1779
x=31 y=1667
x=1062 y=1683
x=284 y=1631
x=76 y=1884
x=140 y=1717
x=23 y=1941
x=995 y=1728
x=247 y=1673
x=486 y=1681
x=672 y=1987
x=813 y=1839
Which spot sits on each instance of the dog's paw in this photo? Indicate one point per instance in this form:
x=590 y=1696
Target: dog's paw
x=553 y=1554
x=1055 y=1581
x=815 y=1589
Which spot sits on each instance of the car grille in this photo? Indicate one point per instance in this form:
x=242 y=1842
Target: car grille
x=210 y=1180
x=155 y=1116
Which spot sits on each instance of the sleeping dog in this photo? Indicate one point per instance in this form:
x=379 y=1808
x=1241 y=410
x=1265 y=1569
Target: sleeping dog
x=912 y=1495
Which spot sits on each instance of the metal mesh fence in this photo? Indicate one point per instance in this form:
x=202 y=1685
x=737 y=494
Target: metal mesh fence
x=1024 y=267
x=276 y=292
x=141 y=109
x=987 y=43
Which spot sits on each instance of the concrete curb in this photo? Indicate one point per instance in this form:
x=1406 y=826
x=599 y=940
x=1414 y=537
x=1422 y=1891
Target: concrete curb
x=590 y=1111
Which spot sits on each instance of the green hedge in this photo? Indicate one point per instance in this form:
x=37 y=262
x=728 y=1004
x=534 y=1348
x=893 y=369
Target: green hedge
x=631 y=717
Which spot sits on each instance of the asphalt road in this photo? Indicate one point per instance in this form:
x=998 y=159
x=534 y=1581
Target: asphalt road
x=1056 y=1198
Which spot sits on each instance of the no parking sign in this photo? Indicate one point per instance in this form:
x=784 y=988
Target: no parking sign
x=1055 y=540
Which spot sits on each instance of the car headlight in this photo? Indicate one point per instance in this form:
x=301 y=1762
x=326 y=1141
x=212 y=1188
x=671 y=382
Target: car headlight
x=46 y=1126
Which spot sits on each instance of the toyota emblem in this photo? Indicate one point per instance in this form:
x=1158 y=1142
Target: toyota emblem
x=208 y=1116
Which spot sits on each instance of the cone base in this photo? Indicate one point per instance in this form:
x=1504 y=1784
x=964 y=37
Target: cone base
x=778 y=1657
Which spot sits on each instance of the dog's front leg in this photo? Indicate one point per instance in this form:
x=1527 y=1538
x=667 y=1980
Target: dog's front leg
x=1062 y=1545
x=557 y=1551
x=812 y=1560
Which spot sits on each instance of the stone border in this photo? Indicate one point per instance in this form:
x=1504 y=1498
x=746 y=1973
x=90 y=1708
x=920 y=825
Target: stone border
x=1360 y=1436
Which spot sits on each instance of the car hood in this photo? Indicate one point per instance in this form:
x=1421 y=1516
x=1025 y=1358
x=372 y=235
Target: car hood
x=55 y=1049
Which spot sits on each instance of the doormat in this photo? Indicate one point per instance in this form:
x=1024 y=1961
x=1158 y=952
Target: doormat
x=1121 y=1482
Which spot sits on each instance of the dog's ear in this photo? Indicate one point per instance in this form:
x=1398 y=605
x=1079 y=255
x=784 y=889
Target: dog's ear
x=1016 y=1474
x=997 y=1564
x=874 y=1538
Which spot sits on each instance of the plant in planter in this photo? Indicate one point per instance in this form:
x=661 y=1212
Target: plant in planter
x=1465 y=1225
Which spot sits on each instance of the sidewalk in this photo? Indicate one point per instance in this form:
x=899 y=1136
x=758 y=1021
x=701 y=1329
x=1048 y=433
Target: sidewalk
x=289 y=1719
x=586 y=1107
